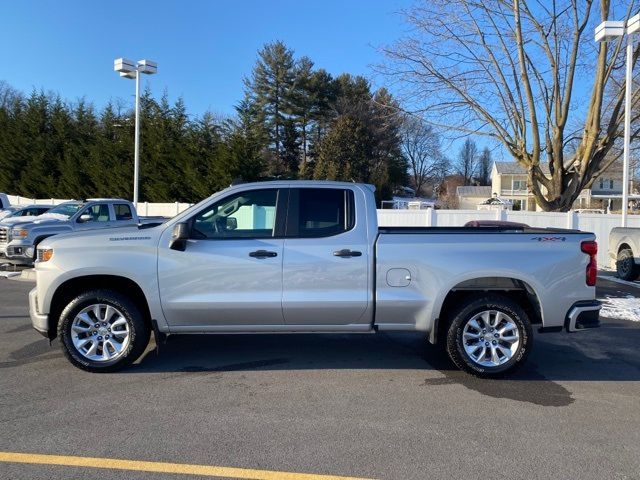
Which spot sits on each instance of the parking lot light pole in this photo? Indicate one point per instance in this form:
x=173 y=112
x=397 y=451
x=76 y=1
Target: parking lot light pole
x=129 y=69
x=607 y=31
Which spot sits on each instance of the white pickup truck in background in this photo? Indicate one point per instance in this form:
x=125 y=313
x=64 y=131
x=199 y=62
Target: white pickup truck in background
x=303 y=256
x=624 y=252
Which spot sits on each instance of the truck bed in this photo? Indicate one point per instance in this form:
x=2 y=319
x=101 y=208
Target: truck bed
x=474 y=230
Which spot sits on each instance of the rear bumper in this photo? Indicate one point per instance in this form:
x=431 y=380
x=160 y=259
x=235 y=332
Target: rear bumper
x=40 y=322
x=583 y=315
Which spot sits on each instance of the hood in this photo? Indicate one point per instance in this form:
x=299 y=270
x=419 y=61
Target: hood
x=15 y=220
x=48 y=217
x=103 y=237
x=40 y=220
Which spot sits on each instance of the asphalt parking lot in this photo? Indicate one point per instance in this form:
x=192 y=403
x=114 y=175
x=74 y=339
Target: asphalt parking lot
x=369 y=406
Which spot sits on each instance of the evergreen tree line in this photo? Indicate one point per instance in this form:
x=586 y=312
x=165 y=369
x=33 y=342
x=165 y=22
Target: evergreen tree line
x=295 y=121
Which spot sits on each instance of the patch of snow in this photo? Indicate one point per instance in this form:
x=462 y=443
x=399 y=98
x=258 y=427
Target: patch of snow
x=627 y=308
x=49 y=216
x=9 y=274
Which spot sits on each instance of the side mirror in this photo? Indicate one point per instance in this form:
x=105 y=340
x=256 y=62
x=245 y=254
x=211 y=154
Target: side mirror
x=232 y=223
x=85 y=217
x=179 y=237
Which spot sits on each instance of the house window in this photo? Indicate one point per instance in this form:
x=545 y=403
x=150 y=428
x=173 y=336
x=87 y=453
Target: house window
x=519 y=185
x=519 y=205
x=611 y=184
x=601 y=184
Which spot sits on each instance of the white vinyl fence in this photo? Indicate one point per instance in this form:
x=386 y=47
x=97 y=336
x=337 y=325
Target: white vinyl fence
x=145 y=209
x=600 y=224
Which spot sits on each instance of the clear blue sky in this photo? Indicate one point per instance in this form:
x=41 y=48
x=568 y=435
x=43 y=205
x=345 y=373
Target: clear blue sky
x=203 y=48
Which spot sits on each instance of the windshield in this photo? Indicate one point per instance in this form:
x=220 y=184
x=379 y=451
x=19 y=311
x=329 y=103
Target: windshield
x=66 y=209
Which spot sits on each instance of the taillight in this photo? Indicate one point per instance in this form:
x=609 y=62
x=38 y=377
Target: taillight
x=591 y=248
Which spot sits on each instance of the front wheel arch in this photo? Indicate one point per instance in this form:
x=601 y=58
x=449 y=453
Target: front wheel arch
x=70 y=289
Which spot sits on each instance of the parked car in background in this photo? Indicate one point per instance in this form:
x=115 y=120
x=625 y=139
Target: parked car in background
x=8 y=211
x=590 y=210
x=21 y=211
x=624 y=252
x=309 y=257
x=22 y=238
x=4 y=201
x=16 y=215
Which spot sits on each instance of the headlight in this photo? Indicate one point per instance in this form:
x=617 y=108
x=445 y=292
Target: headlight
x=19 y=233
x=45 y=254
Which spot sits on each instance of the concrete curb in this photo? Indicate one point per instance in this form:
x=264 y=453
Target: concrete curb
x=27 y=275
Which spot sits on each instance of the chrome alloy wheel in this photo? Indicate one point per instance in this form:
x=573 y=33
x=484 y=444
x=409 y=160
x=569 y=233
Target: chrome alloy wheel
x=100 y=333
x=491 y=338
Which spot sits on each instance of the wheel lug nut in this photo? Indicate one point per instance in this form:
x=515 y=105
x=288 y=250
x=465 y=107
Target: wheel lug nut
x=486 y=344
x=494 y=342
x=99 y=338
x=109 y=329
x=107 y=336
x=484 y=331
x=97 y=325
x=495 y=335
x=104 y=324
x=492 y=329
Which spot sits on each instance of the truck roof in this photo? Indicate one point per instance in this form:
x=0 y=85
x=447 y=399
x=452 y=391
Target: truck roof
x=308 y=183
x=106 y=200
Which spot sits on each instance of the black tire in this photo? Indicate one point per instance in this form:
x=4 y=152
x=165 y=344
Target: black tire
x=471 y=307
x=139 y=331
x=626 y=266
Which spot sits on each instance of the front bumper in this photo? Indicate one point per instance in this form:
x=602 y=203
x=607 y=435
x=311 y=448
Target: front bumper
x=40 y=322
x=20 y=254
x=583 y=315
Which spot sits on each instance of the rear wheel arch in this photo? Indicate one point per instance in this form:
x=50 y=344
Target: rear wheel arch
x=73 y=287
x=519 y=291
x=624 y=246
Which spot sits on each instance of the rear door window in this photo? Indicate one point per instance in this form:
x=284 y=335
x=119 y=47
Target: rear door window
x=123 y=211
x=320 y=212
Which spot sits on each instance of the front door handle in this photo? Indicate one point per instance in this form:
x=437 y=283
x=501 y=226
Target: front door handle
x=346 y=253
x=263 y=254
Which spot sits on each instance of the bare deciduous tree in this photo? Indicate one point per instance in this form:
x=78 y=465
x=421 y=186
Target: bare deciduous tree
x=525 y=73
x=421 y=148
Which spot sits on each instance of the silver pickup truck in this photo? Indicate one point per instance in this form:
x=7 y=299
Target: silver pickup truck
x=303 y=256
x=20 y=238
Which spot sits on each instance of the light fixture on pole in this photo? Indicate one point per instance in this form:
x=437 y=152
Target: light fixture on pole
x=129 y=69
x=605 y=32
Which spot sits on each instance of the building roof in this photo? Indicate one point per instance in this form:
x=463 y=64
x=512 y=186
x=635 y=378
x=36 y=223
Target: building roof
x=514 y=168
x=474 y=191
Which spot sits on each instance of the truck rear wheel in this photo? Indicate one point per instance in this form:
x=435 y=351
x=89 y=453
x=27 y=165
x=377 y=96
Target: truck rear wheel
x=626 y=266
x=102 y=331
x=489 y=336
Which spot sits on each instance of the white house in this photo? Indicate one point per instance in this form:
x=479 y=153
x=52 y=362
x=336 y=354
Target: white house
x=509 y=182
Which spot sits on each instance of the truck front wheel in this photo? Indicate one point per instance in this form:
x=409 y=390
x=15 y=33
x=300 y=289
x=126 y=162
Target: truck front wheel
x=489 y=336
x=102 y=331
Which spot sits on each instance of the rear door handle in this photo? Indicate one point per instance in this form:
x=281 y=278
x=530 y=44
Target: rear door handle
x=346 y=253
x=263 y=254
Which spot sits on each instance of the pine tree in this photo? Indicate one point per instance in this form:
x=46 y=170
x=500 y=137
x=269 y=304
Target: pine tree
x=270 y=88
